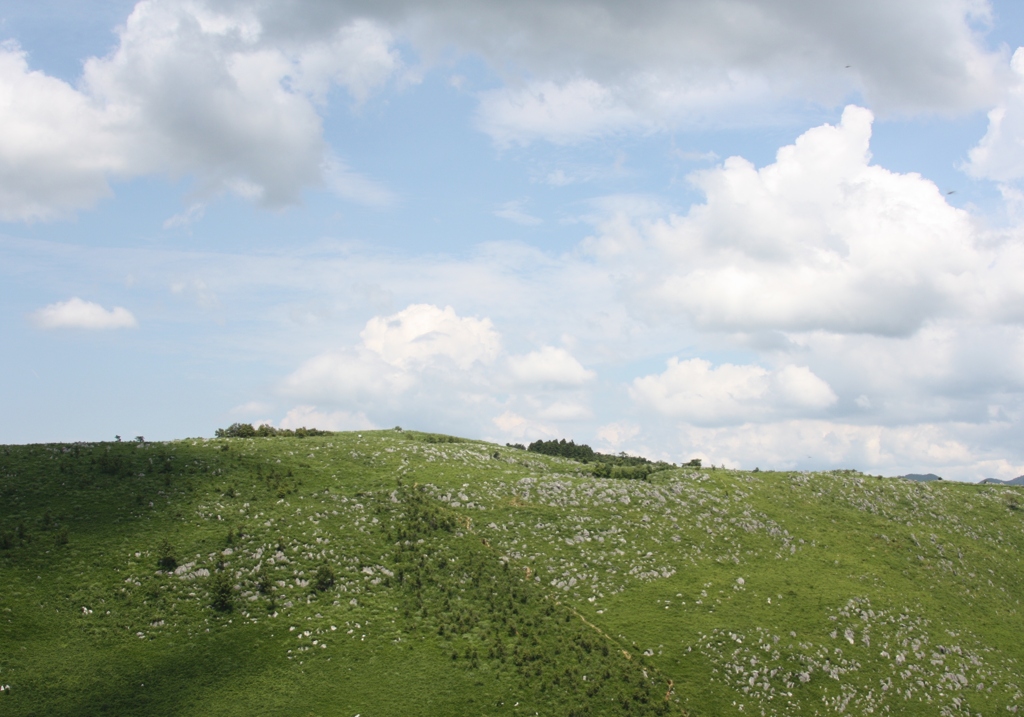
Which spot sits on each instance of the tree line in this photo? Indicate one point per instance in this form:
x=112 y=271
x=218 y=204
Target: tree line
x=247 y=430
x=605 y=465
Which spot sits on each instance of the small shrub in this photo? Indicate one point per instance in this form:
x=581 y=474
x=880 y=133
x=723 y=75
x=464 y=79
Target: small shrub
x=166 y=558
x=62 y=536
x=221 y=591
x=324 y=578
x=6 y=540
x=263 y=580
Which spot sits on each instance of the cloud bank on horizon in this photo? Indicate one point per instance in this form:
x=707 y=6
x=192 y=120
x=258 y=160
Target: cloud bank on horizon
x=670 y=229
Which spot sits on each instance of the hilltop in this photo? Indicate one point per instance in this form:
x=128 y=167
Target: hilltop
x=405 y=573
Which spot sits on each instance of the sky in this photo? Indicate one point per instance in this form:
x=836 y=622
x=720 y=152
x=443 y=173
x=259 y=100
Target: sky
x=781 y=234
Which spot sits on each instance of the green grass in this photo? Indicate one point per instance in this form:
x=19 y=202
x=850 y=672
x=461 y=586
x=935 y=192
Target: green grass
x=480 y=580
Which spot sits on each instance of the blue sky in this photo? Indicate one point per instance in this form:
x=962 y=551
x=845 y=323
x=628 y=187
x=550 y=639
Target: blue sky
x=771 y=233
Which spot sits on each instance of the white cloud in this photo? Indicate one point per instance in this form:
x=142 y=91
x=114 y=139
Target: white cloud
x=359 y=57
x=908 y=55
x=422 y=346
x=798 y=386
x=1000 y=153
x=310 y=417
x=56 y=150
x=599 y=67
x=343 y=376
x=699 y=393
x=515 y=427
x=943 y=448
x=820 y=239
x=423 y=333
x=954 y=382
x=78 y=314
x=231 y=94
x=618 y=433
x=188 y=91
x=551 y=366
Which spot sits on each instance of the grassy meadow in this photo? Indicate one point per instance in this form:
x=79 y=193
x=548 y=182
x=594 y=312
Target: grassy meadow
x=402 y=573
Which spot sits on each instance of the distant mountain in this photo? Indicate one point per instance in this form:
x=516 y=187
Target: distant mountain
x=1019 y=480
x=922 y=476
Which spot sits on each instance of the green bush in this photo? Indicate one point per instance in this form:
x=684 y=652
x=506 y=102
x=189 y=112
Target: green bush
x=324 y=578
x=165 y=556
x=263 y=580
x=221 y=592
x=236 y=430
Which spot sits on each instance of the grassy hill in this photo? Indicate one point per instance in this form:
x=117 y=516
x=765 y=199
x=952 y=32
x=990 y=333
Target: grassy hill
x=402 y=573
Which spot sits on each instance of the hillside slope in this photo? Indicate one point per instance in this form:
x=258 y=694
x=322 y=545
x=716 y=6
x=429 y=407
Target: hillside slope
x=401 y=573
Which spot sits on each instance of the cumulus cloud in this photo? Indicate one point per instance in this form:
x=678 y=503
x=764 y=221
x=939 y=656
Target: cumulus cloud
x=599 y=67
x=232 y=93
x=78 y=314
x=395 y=353
x=423 y=333
x=346 y=375
x=188 y=91
x=515 y=427
x=359 y=56
x=617 y=433
x=819 y=240
x=549 y=365
x=1000 y=153
x=699 y=393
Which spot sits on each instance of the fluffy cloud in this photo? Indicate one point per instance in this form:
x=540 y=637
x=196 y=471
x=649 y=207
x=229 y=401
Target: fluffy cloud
x=701 y=394
x=515 y=427
x=549 y=366
x=231 y=93
x=395 y=353
x=618 y=433
x=188 y=91
x=1000 y=153
x=601 y=66
x=78 y=314
x=819 y=240
x=423 y=333
x=344 y=376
